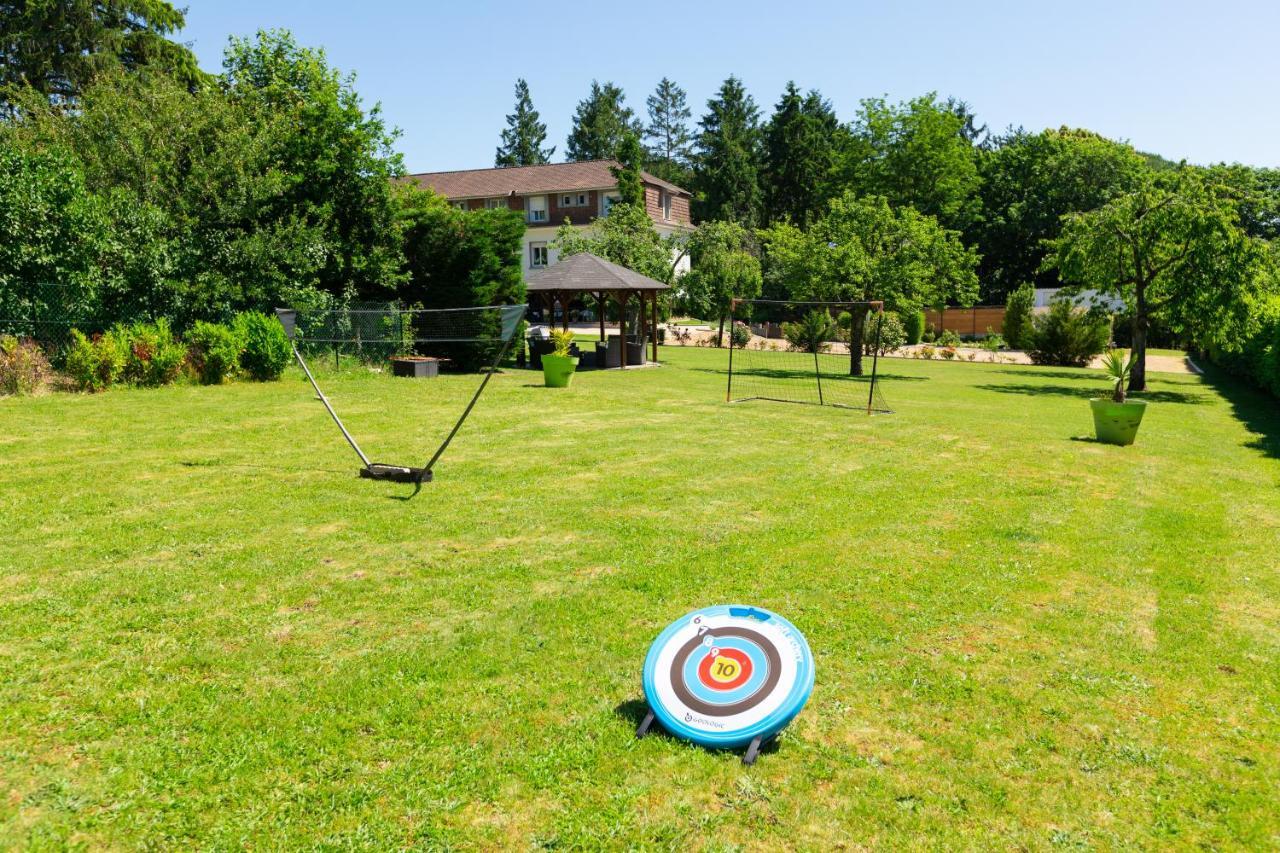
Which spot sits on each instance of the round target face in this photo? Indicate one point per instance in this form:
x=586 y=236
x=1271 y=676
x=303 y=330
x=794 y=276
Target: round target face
x=724 y=675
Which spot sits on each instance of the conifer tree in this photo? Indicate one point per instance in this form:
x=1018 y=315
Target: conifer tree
x=667 y=134
x=600 y=123
x=799 y=155
x=728 y=160
x=523 y=138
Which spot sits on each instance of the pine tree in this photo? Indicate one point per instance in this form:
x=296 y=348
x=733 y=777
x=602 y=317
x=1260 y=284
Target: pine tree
x=729 y=156
x=799 y=155
x=600 y=123
x=523 y=138
x=631 y=158
x=668 y=131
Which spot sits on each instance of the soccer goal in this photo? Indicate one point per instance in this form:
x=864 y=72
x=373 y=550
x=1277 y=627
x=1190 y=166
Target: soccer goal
x=819 y=353
x=466 y=338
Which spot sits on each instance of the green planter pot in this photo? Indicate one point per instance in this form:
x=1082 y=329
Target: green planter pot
x=1117 y=423
x=557 y=370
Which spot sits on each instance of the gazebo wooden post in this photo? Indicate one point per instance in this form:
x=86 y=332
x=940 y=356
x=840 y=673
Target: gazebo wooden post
x=622 y=325
x=600 y=304
x=653 y=315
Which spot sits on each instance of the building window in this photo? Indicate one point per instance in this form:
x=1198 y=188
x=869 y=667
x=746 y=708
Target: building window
x=574 y=200
x=609 y=202
x=498 y=203
x=583 y=199
x=666 y=205
x=461 y=205
x=537 y=208
x=537 y=255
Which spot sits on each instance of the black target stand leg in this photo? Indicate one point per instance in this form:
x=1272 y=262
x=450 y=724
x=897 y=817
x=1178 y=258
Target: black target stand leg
x=753 y=749
x=645 y=724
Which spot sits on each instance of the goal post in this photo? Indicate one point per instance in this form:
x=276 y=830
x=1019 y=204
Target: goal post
x=806 y=352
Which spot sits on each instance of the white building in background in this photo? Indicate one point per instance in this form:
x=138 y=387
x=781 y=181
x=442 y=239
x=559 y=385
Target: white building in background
x=1083 y=299
x=550 y=194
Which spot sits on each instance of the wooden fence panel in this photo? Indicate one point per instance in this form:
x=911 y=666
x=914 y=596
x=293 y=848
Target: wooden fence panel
x=967 y=321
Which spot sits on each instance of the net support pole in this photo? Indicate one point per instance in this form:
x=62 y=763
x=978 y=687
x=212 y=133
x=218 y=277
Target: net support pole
x=728 y=394
x=323 y=399
x=875 y=359
x=817 y=373
x=426 y=469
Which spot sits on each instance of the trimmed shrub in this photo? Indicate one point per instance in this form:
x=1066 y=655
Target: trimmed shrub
x=948 y=338
x=213 y=351
x=23 y=366
x=739 y=334
x=913 y=326
x=1017 y=316
x=813 y=333
x=94 y=364
x=1067 y=336
x=892 y=335
x=265 y=352
x=153 y=355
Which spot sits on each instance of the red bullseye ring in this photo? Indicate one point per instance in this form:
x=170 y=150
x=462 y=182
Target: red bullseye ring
x=730 y=669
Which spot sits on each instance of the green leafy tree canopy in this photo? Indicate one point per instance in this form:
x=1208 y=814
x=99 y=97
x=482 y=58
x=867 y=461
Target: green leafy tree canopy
x=1172 y=250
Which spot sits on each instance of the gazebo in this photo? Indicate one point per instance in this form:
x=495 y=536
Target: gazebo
x=588 y=274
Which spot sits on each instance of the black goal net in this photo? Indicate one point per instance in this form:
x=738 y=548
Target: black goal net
x=820 y=353
x=464 y=339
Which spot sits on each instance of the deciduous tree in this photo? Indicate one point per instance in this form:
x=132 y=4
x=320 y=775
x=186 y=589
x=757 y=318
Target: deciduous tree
x=863 y=249
x=723 y=268
x=1030 y=181
x=1171 y=249
x=918 y=154
x=626 y=237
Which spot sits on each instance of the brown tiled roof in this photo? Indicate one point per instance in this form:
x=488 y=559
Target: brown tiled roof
x=524 y=180
x=586 y=272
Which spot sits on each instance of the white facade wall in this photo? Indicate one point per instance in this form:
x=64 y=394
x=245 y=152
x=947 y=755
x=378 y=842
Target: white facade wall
x=545 y=235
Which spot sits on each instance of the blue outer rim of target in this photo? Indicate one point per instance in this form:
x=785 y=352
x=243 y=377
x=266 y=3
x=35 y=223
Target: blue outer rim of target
x=775 y=722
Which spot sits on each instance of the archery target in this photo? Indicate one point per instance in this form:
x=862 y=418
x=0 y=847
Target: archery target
x=723 y=675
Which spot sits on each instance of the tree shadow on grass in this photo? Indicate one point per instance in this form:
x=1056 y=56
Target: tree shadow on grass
x=1045 y=373
x=1257 y=410
x=774 y=373
x=1096 y=392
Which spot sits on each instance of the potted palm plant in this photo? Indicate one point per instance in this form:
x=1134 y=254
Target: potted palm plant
x=559 y=364
x=1116 y=420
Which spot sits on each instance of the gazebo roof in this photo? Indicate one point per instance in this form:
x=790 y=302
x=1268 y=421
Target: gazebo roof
x=587 y=273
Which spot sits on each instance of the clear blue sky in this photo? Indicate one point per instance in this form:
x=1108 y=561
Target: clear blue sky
x=1199 y=81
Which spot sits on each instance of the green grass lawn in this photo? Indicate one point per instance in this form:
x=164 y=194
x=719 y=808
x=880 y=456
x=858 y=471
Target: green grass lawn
x=213 y=634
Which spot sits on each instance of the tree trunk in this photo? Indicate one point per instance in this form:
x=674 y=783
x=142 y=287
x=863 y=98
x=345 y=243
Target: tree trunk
x=720 y=334
x=1138 y=374
x=857 y=333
